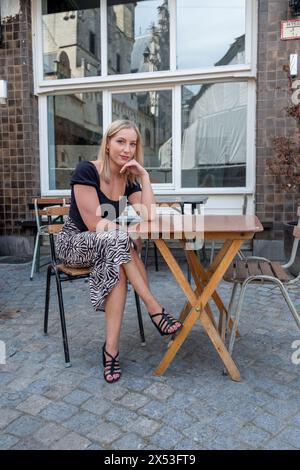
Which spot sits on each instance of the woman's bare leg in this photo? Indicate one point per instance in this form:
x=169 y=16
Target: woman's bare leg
x=114 y=310
x=140 y=265
x=141 y=287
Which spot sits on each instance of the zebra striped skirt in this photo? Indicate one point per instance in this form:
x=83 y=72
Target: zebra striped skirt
x=103 y=252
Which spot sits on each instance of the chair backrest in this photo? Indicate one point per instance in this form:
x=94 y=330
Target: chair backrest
x=54 y=226
x=39 y=203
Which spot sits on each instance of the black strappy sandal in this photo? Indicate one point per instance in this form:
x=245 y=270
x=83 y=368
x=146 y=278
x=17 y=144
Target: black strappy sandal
x=165 y=323
x=111 y=366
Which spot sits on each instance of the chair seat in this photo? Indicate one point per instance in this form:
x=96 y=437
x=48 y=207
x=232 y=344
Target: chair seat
x=71 y=271
x=240 y=270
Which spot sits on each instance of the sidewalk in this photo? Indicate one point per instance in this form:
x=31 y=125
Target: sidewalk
x=193 y=406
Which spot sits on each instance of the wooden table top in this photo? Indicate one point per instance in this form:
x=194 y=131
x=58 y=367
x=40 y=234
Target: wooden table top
x=191 y=226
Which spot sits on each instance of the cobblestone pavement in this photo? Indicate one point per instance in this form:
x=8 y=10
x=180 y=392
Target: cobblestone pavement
x=193 y=406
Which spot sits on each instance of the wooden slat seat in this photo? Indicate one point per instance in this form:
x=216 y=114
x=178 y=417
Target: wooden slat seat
x=71 y=271
x=240 y=270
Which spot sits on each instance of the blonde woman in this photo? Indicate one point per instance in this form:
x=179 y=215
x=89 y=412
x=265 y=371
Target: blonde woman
x=91 y=236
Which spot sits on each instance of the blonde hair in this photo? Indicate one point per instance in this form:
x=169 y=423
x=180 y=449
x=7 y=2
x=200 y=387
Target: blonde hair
x=115 y=127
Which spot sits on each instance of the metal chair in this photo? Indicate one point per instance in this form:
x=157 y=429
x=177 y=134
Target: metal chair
x=42 y=229
x=65 y=273
x=255 y=269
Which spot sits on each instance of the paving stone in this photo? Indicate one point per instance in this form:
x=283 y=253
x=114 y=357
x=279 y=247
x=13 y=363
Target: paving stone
x=97 y=406
x=58 y=412
x=105 y=433
x=129 y=442
x=253 y=435
x=84 y=422
x=7 y=441
x=177 y=418
x=291 y=436
x=77 y=397
x=122 y=417
x=50 y=433
x=133 y=401
x=29 y=443
x=277 y=444
x=166 y=438
x=24 y=425
x=155 y=409
x=269 y=423
x=159 y=391
x=71 y=441
x=7 y=415
x=225 y=442
x=144 y=426
x=33 y=404
x=94 y=447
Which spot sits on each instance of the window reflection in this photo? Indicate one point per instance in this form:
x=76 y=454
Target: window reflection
x=152 y=112
x=74 y=132
x=214 y=119
x=71 y=39
x=138 y=36
x=210 y=32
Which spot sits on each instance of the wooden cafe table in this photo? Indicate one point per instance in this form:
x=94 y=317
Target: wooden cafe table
x=233 y=230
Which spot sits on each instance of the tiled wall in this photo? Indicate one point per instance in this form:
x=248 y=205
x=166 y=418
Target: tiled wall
x=19 y=159
x=272 y=204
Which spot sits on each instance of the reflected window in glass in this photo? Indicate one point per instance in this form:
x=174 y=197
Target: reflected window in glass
x=138 y=32
x=75 y=129
x=71 y=39
x=214 y=134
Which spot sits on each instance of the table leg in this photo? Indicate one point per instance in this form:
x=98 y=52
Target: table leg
x=198 y=304
x=200 y=275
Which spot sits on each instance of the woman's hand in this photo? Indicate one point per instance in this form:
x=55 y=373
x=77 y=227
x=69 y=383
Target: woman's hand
x=135 y=168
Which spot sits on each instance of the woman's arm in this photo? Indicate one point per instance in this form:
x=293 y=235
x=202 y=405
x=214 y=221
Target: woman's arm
x=142 y=201
x=89 y=208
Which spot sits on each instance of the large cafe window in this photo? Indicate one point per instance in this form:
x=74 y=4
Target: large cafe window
x=181 y=69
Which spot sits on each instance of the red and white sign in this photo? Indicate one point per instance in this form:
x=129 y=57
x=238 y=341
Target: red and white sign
x=290 y=29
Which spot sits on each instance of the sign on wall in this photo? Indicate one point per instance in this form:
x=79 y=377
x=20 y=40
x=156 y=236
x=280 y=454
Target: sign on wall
x=290 y=29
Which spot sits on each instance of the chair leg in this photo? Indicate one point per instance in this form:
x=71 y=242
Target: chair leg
x=146 y=253
x=156 y=257
x=237 y=315
x=140 y=319
x=230 y=305
x=47 y=299
x=36 y=245
x=289 y=302
x=212 y=251
x=62 y=320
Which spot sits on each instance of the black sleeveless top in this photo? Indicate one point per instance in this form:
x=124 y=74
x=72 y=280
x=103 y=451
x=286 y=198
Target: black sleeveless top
x=86 y=173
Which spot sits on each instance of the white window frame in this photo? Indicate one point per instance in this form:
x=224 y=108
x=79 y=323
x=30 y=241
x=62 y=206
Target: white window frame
x=171 y=79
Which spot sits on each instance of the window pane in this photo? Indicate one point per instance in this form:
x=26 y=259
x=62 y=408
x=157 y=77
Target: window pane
x=138 y=36
x=71 y=39
x=210 y=32
x=214 y=128
x=152 y=112
x=74 y=133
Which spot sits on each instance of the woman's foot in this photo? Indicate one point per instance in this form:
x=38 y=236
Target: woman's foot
x=112 y=371
x=165 y=323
